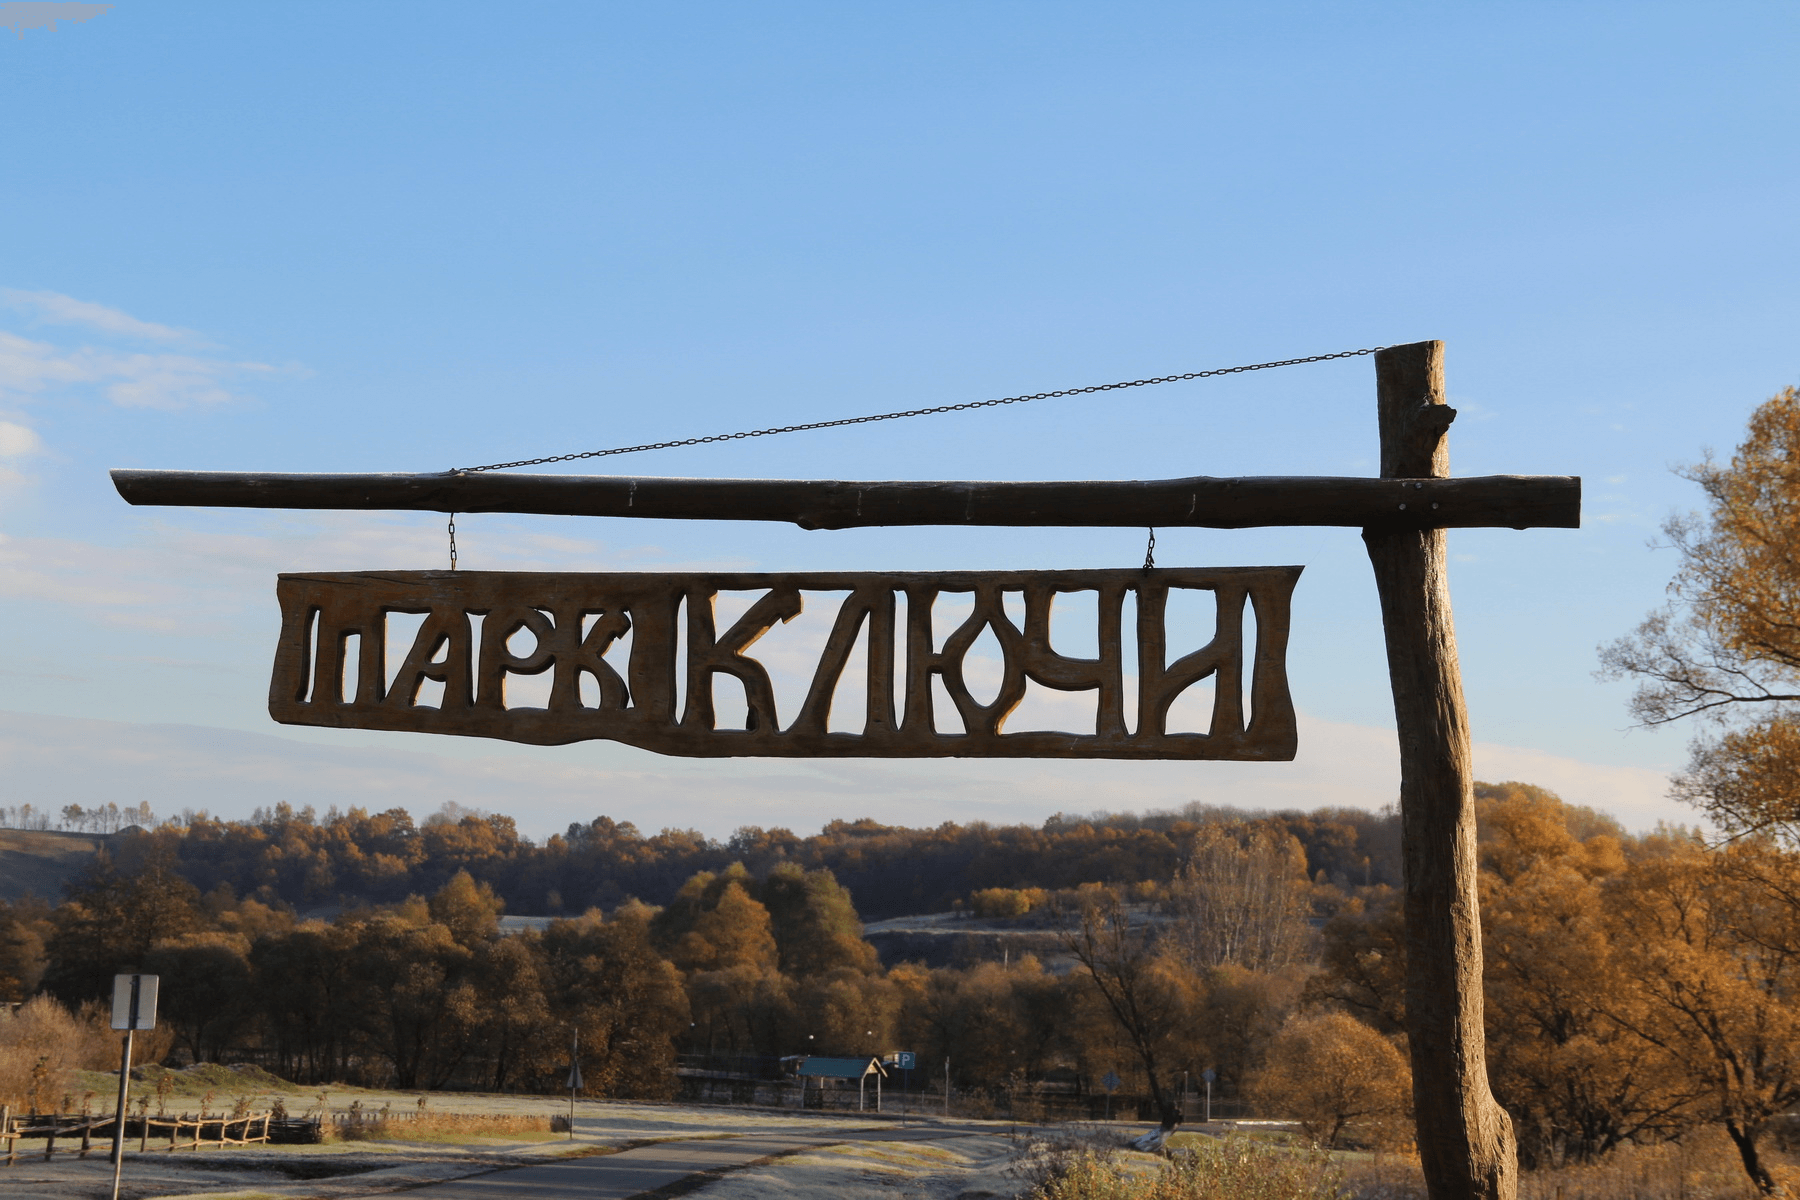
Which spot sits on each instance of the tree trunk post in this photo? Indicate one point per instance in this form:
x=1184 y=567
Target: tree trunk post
x=1466 y=1142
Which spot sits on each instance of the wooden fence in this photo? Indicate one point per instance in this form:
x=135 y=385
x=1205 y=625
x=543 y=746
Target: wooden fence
x=95 y=1133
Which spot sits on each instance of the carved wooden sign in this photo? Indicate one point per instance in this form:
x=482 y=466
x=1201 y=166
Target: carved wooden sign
x=479 y=629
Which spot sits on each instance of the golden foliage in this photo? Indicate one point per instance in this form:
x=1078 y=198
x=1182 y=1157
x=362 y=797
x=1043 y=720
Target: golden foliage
x=43 y=1044
x=1727 y=646
x=1332 y=1073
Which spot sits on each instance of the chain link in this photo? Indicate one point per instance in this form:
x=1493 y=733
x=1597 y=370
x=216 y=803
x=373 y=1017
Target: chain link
x=913 y=412
x=1150 y=552
x=453 y=541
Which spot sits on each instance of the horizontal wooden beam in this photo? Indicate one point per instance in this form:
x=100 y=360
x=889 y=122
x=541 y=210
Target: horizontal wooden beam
x=1506 y=501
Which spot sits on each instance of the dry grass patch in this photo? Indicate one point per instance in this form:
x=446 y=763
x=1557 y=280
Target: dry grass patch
x=446 y=1127
x=1702 y=1166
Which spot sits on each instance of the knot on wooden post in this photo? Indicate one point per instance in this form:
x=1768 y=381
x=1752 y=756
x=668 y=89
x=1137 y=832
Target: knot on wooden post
x=1422 y=431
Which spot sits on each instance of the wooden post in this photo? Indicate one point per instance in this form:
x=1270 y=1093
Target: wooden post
x=1466 y=1142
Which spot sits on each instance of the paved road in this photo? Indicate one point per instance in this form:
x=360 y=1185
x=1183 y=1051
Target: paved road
x=631 y=1172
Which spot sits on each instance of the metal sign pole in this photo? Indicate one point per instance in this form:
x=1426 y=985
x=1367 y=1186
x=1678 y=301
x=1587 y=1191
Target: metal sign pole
x=575 y=1080
x=118 y=1146
x=134 y=1008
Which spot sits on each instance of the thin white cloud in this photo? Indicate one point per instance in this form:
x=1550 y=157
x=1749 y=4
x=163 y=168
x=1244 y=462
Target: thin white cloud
x=17 y=441
x=170 y=380
x=54 y=308
x=30 y=368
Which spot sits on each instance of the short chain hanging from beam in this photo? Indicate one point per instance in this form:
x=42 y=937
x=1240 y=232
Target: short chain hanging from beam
x=453 y=541
x=914 y=412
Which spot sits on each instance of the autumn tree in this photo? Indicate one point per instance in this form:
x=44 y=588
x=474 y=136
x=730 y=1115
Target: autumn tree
x=1710 y=945
x=715 y=923
x=205 y=991
x=414 y=999
x=1363 y=961
x=514 y=1031
x=307 y=998
x=723 y=939
x=1577 y=1081
x=469 y=910
x=1149 y=992
x=1241 y=1010
x=1241 y=897
x=110 y=922
x=24 y=926
x=815 y=924
x=605 y=978
x=1726 y=646
x=1329 y=1071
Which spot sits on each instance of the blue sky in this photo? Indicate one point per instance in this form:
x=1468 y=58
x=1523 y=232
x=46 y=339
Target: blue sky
x=407 y=236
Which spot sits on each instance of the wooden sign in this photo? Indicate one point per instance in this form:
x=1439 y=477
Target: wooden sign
x=1465 y=1139
x=481 y=629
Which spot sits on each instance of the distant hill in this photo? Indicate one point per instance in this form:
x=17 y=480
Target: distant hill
x=39 y=862
x=955 y=939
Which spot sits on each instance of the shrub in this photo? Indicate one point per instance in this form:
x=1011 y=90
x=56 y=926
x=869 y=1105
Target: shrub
x=1001 y=903
x=1330 y=1072
x=43 y=1044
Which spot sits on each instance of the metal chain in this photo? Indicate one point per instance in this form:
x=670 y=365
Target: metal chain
x=1150 y=553
x=453 y=541
x=914 y=412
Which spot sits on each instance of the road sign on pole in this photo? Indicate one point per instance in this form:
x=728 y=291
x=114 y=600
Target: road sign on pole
x=134 y=1001
x=134 y=1008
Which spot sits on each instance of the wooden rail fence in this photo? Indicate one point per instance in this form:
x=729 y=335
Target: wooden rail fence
x=95 y=1133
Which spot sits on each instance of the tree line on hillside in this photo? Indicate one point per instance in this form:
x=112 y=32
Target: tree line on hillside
x=1638 y=987
x=297 y=858
x=110 y=817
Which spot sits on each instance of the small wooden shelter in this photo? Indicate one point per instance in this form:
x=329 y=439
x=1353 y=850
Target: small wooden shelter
x=815 y=1066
